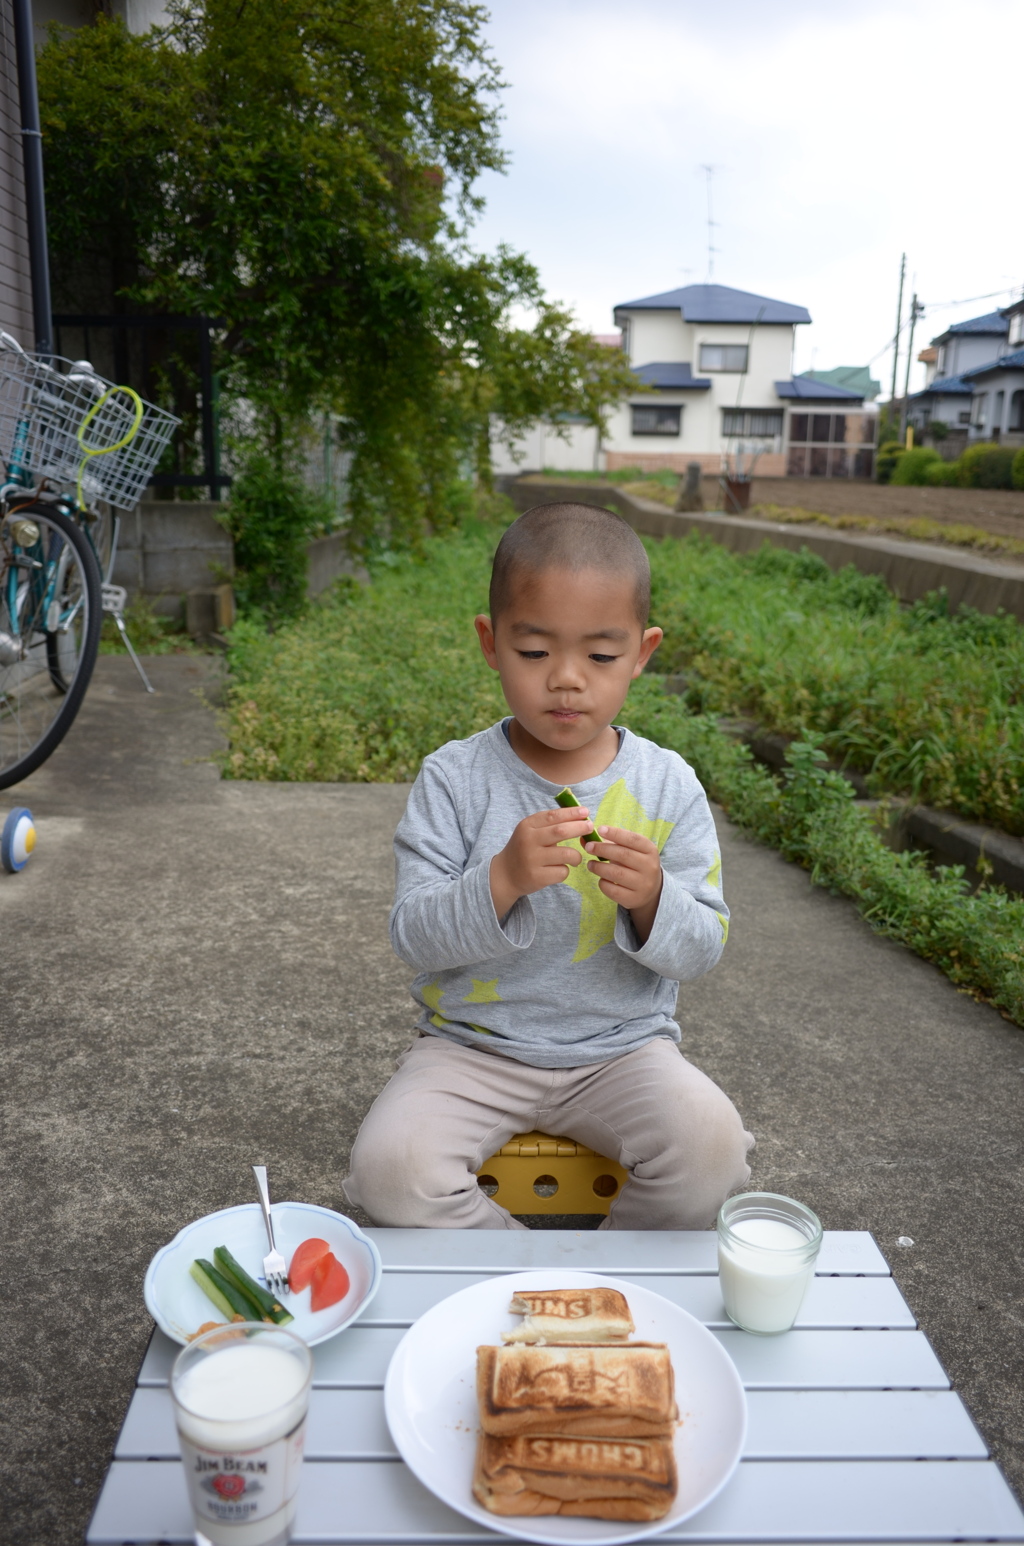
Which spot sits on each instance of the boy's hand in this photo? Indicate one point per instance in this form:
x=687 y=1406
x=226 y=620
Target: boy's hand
x=531 y=859
x=630 y=874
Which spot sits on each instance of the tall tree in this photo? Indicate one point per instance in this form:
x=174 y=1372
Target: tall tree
x=303 y=171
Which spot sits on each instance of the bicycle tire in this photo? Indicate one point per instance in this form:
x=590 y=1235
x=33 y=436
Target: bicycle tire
x=35 y=712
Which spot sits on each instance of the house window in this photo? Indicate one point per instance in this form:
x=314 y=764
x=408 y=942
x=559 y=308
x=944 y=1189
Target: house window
x=1016 y=328
x=1016 y=411
x=964 y=416
x=978 y=408
x=656 y=421
x=723 y=357
x=940 y=363
x=764 y=423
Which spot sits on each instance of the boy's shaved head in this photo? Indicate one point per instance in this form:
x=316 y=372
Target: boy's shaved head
x=575 y=537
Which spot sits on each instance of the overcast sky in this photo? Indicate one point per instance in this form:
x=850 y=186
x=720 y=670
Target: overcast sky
x=840 y=134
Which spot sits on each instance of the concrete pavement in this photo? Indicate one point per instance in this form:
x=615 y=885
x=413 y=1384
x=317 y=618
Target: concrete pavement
x=196 y=975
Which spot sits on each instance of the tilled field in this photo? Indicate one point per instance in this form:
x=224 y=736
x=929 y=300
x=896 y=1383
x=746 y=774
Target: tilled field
x=995 y=510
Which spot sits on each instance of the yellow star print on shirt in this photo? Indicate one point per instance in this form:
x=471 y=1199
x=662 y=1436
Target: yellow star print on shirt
x=598 y=912
x=714 y=878
x=483 y=993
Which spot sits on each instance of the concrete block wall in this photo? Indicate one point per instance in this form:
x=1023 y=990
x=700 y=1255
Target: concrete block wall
x=168 y=548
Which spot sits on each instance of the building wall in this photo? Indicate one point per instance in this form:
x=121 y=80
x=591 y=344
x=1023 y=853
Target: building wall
x=991 y=413
x=965 y=350
x=540 y=447
x=15 y=283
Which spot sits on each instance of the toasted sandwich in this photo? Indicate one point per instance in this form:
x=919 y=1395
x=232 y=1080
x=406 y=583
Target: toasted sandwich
x=622 y=1390
x=571 y=1315
x=603 y=1478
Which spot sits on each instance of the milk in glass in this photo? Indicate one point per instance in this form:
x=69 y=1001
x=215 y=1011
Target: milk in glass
x=241 y=1415
x=767 y=1247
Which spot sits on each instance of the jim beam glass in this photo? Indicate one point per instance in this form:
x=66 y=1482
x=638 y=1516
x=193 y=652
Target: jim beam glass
x=241 y=1394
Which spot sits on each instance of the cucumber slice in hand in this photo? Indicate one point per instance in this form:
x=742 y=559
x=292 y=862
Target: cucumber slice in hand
x=568 y=801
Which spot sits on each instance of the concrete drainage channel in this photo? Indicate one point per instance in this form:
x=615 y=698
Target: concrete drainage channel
x=986 y=853
x=910 y=569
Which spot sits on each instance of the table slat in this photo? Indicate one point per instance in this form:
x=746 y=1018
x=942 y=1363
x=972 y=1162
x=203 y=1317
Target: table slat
x=786 y=1501
x=835 y=1360
x=834 y=1302
x=799 y=1360
x=784 y=1425
x=612 y=1251
x=860 y=1425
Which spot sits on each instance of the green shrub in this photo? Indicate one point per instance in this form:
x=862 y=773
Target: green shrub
x=889 y=453
x=912 y=466
x=942 y=474
x=986 y=465
x=1017 y=473
x=272 y=516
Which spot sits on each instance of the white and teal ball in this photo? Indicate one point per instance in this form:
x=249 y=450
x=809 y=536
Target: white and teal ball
x=17 y=840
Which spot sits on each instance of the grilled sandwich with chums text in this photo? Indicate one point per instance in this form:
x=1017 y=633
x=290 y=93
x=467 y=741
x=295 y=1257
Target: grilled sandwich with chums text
x=575 y=1418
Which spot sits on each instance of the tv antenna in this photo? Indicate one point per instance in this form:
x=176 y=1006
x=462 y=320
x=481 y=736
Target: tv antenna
x=709 y=172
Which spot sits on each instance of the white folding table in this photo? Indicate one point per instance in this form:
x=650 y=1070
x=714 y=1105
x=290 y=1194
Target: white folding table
x=854 y=1434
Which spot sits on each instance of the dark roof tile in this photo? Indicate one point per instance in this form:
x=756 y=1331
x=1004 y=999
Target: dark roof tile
x=719 y=303
x=671 y=376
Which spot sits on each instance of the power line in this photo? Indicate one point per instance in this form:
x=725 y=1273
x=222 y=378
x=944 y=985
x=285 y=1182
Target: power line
x=970 y=299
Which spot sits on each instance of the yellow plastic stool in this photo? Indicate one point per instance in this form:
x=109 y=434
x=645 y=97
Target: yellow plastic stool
x=534 y=1173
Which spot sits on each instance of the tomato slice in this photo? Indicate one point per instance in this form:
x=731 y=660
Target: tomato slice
x=304 y=1261
x=330 y=1282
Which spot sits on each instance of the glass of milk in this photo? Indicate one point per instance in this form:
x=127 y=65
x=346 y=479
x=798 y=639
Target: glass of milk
x=241 y=1394
x=767 y=1247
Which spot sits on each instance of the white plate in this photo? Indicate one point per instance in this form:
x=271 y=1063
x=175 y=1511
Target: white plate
x=179 y=1306
x=431 y=1406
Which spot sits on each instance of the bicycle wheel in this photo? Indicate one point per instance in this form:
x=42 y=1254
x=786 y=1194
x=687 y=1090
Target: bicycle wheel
x=50 y=615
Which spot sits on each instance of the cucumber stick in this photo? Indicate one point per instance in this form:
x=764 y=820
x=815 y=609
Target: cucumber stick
x=567 y=800
x=270 y=1308
x=222 y=1293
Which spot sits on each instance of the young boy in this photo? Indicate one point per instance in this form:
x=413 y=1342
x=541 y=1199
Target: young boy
x=549 y=962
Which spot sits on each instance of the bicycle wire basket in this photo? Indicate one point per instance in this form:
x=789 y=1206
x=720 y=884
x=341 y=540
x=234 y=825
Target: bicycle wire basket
x=55 y=423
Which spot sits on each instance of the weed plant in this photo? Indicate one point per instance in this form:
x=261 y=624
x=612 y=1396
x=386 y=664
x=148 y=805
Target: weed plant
x=150 y=633
x=927 y=704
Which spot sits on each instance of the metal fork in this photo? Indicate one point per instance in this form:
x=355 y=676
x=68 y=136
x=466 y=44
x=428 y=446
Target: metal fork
x=275 y=1269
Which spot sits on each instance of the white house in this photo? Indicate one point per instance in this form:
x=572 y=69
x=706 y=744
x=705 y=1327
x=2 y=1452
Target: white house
x=717 y=365
x=948 y=394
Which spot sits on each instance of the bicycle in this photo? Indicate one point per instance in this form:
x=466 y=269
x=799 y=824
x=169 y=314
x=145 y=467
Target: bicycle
x=61 y=423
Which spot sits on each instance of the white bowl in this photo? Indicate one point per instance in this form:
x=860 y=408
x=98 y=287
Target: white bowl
x=179 y=1306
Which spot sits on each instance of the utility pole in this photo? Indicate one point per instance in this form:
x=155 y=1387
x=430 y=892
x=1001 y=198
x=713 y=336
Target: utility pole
x=896 y=340
x=32 y=151
x=916 y=310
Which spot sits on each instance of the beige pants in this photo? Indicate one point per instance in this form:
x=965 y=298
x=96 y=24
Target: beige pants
x=449 y=1108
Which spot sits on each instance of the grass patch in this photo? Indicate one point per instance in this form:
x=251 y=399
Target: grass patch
x=373 y=678
x=926 y=704
x=917 y=527
x=150 y=633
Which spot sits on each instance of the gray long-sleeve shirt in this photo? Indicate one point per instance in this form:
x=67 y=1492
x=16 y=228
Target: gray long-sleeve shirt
x=561 y=980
